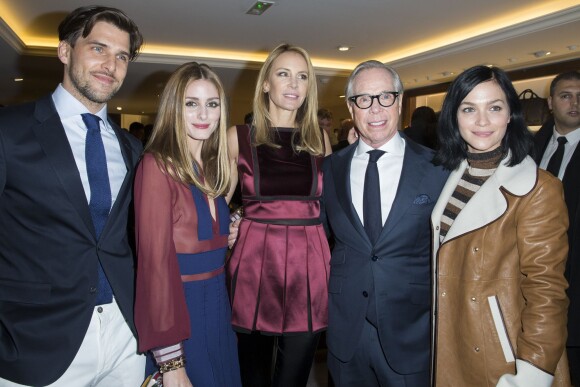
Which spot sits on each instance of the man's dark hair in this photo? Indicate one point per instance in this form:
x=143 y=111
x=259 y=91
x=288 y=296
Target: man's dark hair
x=81 y=21
x=570 y=75
x=324 y=114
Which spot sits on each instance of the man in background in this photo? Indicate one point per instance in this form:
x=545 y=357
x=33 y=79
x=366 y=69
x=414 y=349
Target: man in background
x=325 y=121
x=66 y=173
x=557 y=151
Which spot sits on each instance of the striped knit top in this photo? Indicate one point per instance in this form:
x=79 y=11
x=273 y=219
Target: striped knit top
x=480 y=167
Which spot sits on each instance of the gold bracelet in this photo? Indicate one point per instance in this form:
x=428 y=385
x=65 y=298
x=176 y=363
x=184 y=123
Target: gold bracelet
x=172 y=365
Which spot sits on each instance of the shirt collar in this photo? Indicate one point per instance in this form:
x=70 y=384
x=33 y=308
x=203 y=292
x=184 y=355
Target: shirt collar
x=573 y=137
x=395 y=146
x=68 y=106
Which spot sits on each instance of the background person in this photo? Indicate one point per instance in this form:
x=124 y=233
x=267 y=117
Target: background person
x=278 y=271
x=326 y=122
x=66 y=178
x=182 y=310
x=500 y=245
x=564 y=101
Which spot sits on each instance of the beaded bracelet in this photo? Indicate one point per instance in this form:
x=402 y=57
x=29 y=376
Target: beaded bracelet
x=172 y=365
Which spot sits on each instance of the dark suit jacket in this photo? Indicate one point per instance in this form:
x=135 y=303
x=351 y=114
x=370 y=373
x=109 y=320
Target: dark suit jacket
x=48 y=250
x=399 y=263
x=571 y=182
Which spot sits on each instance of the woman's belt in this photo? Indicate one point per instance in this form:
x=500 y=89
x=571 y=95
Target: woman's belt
x=287 y=222
x=202 y=276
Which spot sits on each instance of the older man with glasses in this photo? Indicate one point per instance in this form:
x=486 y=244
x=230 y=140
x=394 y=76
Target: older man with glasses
x=378 y=197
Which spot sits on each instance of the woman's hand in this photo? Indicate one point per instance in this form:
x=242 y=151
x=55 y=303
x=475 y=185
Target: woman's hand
x=234 y=228
x=176 y=378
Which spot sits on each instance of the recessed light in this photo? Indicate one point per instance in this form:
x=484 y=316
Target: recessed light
x=343 y=48
x=541 y=53
x=18 y=79
x=119 y=108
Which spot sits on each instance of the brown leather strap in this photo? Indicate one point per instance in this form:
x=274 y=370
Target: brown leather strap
x=202 y=276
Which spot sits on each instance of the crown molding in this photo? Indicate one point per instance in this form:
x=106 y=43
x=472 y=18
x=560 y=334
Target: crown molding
x=11 y=38
x=555 y=19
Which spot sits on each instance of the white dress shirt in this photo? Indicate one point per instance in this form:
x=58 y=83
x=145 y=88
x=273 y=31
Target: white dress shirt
x=70 y=109
x=573 y=139
x=389 y=165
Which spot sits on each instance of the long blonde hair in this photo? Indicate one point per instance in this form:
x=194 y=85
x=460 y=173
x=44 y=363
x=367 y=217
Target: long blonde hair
x=311 y=139
x=168 y=142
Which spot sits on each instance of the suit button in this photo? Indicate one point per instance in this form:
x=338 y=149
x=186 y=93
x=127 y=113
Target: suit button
x=476 y=349
x=473 y=299
x=443 y=294
x=93 y=289
x=475 y=249
x=375 y=258
x=365 y=294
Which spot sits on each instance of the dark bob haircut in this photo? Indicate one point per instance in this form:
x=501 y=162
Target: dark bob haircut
x=453 y=149
x=81 y=21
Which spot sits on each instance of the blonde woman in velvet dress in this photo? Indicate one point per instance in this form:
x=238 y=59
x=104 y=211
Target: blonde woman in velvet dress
x=278 y=271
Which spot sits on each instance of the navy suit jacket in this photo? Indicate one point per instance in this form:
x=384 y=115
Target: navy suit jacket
x=48 y=249
x=398 y=264
x=571 y=183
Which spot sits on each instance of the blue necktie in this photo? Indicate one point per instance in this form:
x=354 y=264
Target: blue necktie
x=100 y=203
x=373 y=220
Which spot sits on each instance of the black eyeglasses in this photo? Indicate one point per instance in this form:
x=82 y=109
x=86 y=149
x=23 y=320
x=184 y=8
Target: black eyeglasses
x=365 y=101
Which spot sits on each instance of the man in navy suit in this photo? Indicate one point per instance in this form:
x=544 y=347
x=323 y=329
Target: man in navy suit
x=564 y=101
x=66 y=172
x=380 y=281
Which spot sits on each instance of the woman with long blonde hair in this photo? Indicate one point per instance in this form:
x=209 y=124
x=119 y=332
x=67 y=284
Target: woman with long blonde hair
x=278 y=271
x=182 y=310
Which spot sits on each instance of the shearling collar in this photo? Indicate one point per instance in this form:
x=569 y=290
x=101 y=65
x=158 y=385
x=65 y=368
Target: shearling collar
x=489 y=202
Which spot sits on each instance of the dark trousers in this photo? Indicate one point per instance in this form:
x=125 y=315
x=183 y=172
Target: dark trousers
x=369 y=367
x=574 y=363
x=277 y=361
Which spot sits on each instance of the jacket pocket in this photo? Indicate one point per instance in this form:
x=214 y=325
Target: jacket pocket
x=335 y=284
x=24 y=292
x=501 y=329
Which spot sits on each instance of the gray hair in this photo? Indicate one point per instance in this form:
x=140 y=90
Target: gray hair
x=372 y=64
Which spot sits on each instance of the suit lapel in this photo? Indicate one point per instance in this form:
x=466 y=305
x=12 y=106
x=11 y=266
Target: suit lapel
x=124 y=192
x=52 y=138
x=341 y=173
x=408 y=189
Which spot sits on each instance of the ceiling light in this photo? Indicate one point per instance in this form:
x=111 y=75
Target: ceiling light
x=541 y=53
x=260 y=7
x=343 y=48
x=119 y=108
x=18 y=79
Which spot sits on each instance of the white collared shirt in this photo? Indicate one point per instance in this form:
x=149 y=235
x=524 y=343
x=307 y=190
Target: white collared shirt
x=573 y=138
x=70 y=109
x=389 y=165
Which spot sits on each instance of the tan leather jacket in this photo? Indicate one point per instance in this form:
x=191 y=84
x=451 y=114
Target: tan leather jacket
x=499 y=286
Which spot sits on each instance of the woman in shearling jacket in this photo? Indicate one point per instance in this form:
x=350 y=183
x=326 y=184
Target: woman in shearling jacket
x=500 y=245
